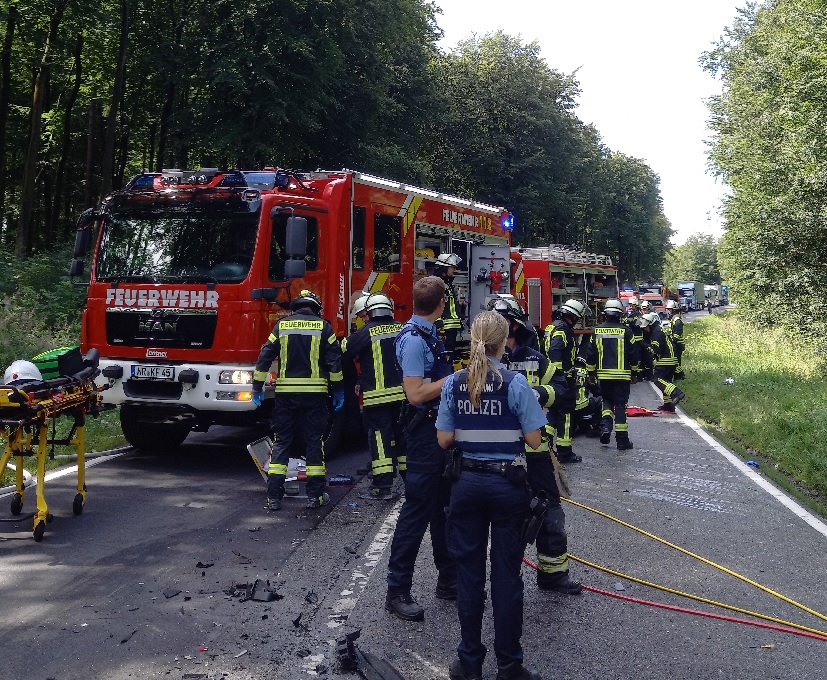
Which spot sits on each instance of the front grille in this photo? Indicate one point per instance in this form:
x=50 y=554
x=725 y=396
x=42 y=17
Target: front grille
x=161 y=327
x=153 y=389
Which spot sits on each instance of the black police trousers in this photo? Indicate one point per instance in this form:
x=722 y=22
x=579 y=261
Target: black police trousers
x=426 y=497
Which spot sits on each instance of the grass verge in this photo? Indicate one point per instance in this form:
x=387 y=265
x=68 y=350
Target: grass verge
x=102 y=434
x=773 y=412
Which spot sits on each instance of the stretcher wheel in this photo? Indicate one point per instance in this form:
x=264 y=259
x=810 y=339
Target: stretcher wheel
x=16 y=504
x=39 y=530
x=77 y=504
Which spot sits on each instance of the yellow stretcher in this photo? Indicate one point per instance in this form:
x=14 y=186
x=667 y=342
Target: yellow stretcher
x=27 y=409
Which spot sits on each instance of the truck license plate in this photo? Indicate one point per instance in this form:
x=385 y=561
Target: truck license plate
x=153 y=372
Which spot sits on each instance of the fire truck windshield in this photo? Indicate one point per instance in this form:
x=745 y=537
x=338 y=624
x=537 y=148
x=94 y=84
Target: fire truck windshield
x=177 y=245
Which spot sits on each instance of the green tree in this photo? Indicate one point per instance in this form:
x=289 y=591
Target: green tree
x=695 y=260
x=770 y=148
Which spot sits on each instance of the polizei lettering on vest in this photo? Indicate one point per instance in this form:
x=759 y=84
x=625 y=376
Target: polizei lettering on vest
x=487 y=407
x=163 y=297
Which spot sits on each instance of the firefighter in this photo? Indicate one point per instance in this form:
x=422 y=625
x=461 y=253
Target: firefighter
x=552 y=542
x=646 y=361
x=381 y=388
x=424 y=364
x=675 y=331
x=613 y=354
x=492 y=414
x=450 y=323
x=663 y=353
x=309 y=362
x=585 y=418
x=561 y=348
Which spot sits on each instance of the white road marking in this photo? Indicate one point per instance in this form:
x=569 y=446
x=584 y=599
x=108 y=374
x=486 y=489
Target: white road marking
x=749 y=472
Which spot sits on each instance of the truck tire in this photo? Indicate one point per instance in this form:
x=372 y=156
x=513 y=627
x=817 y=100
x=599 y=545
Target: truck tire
x=149 y=436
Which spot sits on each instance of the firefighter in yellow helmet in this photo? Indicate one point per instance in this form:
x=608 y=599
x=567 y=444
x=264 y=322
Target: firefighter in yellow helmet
x=309 y=363
x=450 y=323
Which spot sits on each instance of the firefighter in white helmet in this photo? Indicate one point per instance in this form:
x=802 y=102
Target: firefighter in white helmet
x=381 y=388
x=675 y=330
x=450 y=323
x=560 y=347
x=613 y=355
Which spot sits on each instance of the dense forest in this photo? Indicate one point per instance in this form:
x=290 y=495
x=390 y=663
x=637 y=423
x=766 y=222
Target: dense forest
x=93 y=92
x=770 y=147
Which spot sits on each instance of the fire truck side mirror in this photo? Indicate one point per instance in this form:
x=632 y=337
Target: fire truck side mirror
x=77 y=267
x=295 y=242
x=295 y=269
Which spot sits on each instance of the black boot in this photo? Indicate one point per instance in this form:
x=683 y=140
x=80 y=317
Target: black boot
x=457 y=672
x=677 y=396
x=446 y=589
x=605 y=433
x=623 y=443
x=560 y=582
x=404 y=606
x=566 y=455
x=516 y=671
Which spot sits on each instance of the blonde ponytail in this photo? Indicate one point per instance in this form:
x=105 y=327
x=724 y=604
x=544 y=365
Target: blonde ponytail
x=488 y=335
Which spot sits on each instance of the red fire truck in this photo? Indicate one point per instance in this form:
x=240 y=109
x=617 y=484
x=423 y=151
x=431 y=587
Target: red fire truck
x=191 y=269
x=544 y=278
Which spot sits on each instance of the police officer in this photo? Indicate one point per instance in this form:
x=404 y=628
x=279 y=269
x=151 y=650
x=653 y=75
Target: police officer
x=561 y=348
x=491 y=414
x=424 y=366
x=552 y=542
x=450 y=323
x=663 y=353
x=675 y=331
x=613 y=354
x=381 y=388
x=309 y=361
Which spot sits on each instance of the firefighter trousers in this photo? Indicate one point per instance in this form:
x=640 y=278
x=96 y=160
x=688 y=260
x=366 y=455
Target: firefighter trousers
x=298 y=416
x=615 y=395
x=664 y=377
x=552 y=541
x=387 y=448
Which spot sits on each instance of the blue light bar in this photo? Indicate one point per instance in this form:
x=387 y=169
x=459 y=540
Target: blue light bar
x=508 y=222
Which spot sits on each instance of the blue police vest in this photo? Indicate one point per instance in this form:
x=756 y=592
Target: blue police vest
x=489 y=431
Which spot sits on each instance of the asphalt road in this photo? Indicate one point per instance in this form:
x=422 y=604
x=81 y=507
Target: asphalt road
x=118 y=592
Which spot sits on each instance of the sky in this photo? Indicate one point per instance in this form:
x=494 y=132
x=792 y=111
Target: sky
x=641 y=85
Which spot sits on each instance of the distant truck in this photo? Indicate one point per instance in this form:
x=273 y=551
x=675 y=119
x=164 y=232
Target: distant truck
x=691 y=295
x=713 y=292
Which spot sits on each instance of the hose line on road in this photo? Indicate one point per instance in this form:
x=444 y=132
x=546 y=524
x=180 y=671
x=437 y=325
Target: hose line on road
x=702 y=559
x=822 y=634
x=794 y=630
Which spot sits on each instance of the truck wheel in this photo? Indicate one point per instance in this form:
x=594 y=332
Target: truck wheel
x=149 y=436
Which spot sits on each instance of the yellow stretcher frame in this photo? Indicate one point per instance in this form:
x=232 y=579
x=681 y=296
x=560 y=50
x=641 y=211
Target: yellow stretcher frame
x=25 y=415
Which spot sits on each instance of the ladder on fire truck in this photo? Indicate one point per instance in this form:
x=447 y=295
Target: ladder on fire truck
x=560 y=253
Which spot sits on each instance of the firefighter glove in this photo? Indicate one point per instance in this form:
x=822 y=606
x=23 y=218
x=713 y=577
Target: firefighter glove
x=338 y=400
x=258 y=398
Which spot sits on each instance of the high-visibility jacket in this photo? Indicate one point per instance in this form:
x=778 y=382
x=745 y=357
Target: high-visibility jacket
x=661 y=346
x=308 y=353
x=613 y=351
x=373 y=345
x=676 y=333
x=451 y=320
x=535 y=367
x=559 y=346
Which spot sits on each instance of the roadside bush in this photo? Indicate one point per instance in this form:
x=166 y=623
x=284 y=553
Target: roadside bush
x=39 y=308
x=775 y=407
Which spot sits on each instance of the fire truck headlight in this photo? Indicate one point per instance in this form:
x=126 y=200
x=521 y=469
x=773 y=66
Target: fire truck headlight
x=235 y=378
